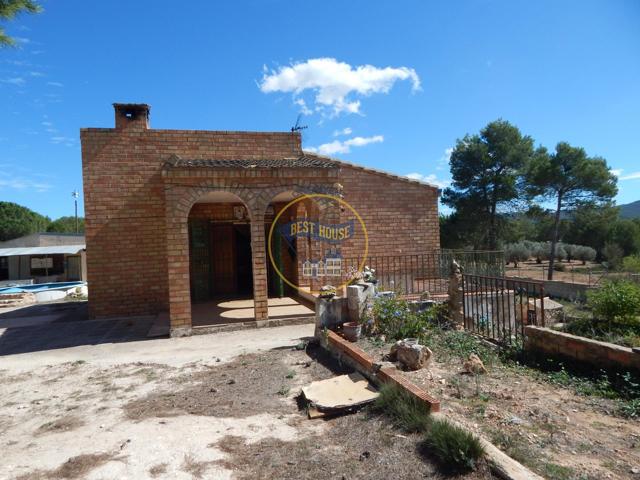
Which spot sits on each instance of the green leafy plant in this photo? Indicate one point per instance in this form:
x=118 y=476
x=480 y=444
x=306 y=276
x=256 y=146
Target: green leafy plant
x=631 y=263
x=616 y=302
x=405 y=410
x=453 y=446
x=393 y=317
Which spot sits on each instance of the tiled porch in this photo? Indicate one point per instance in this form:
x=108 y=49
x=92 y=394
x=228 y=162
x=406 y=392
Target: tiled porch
x=229 y=310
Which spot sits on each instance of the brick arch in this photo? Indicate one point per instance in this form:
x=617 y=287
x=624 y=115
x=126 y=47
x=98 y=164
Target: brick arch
x=192 y=194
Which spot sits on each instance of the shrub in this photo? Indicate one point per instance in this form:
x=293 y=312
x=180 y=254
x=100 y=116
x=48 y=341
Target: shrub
x=613 y=253
x=631 y=263
x=559 y=267
x=405 y=410
x=585 y=254
x=516 y=252
x=571 y=250
x=616 y=302
x=538 y=251
x=394 y=318
x=454 y=447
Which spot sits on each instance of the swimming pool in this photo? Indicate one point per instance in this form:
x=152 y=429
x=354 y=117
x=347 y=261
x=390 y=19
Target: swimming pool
x=41 y=287
x=47 y=292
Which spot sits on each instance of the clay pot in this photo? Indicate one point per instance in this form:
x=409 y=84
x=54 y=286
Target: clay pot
x=351 y=331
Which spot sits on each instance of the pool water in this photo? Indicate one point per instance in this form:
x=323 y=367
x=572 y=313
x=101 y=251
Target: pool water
x=41 y=287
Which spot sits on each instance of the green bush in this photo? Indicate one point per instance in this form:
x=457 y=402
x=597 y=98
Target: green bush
x=613 y=253
x=405 y=410
x=631 y=264
x=516 y=252
x=394 y=318
x=616 y=302
x=456 y=448
x=453 y=446
x=585 y=254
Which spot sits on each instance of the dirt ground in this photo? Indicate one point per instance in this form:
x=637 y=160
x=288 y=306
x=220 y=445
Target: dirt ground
x=574 y=271
x=557 y=433
x=188 y=411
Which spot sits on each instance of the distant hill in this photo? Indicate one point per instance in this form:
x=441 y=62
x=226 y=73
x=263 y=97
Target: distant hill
x=630 y=210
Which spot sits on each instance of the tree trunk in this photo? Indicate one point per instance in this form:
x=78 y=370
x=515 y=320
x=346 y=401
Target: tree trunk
x=554 y=239
x=492 y=229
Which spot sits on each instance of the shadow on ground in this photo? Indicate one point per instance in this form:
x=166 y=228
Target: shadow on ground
x=62 y=325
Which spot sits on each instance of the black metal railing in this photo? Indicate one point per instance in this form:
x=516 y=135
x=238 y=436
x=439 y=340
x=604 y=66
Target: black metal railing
x=499 y=308
x=415 y=275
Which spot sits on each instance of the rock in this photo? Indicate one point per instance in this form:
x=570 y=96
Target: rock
x=411 y=355
x=474 y=365
x=635 y=470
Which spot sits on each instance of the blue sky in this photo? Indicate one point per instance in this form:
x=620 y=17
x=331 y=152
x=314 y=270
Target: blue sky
x=429 y=73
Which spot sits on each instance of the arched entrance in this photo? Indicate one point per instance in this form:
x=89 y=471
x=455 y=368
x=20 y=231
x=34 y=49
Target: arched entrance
x=220 y=260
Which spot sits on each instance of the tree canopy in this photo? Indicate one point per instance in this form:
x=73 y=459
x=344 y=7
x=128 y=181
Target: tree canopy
x=9 y=9
x=485 y=169
x=17 y=221
x=570 y=178
x=66 y=225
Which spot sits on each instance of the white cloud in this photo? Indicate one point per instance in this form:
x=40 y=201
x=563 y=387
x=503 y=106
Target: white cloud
x=630 y=176
x=344 y=131
x=19 y=81
x=55 y=84
x=59 y=140
x=443 y=161
x=36 y=74
x=334 y=83
x=430 y=178
x=8 y=181
x=342 y=147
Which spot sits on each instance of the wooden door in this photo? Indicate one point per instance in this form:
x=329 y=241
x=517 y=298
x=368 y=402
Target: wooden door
x=200 y=260
x=223 y=259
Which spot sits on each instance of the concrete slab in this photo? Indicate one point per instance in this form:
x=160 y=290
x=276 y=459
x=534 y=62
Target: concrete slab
x=340 y=393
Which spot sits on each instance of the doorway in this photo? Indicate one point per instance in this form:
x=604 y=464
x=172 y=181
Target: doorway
x=220 y=260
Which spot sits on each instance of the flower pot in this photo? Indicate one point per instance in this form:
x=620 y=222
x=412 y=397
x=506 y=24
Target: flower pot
x=351 y=331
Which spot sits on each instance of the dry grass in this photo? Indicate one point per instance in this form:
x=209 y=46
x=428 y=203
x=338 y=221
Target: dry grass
x=75 y=467
x=249 y=385
x=354 y=447
x=64 y=424
x=195 y=468
x=158 y=469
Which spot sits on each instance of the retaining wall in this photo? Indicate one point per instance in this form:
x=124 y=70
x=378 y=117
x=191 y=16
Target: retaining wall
x=585 y=350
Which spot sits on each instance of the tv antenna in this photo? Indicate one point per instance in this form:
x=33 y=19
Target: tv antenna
x=297 y=127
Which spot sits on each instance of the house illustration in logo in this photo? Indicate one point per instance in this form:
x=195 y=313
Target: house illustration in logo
x=328 y=266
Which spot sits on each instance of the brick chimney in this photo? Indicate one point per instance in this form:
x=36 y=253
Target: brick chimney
x=132 y=116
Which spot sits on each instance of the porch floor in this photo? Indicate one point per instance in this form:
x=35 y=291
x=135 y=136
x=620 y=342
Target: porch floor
x=229 y=309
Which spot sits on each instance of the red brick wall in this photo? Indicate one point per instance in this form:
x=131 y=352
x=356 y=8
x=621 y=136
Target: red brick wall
x=125 y=207
x=400 y=216
x=128 y=259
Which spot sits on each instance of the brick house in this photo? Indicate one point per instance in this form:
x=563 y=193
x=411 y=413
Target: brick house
x=176 y=217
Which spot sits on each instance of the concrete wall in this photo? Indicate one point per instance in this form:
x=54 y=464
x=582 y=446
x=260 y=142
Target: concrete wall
x=43 y=239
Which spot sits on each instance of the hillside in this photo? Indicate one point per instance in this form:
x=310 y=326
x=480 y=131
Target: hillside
x=630 y=210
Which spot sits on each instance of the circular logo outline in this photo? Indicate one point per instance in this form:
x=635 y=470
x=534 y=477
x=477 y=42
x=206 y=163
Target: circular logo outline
x=316 y=195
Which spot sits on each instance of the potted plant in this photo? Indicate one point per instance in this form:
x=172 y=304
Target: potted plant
x=352 y=331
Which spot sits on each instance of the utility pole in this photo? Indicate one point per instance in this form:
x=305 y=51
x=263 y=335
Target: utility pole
x=75 y=195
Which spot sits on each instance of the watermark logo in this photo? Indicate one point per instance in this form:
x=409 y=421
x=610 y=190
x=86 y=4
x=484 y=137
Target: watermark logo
x=326 y=240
